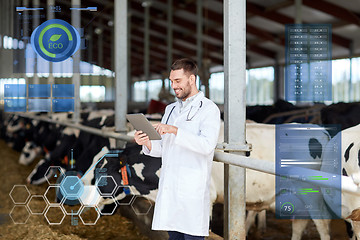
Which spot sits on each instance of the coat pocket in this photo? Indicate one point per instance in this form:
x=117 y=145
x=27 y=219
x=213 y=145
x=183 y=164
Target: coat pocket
x=191 y=183
x=191 y=126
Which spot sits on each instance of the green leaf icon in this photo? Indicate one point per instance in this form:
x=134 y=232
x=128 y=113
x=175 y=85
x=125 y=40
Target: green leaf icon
x=55 y=37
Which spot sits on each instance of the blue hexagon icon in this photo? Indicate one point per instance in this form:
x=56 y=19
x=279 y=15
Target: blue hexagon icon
x=71 y=188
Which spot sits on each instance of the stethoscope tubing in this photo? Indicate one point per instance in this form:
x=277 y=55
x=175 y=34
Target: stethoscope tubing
x=187 y=117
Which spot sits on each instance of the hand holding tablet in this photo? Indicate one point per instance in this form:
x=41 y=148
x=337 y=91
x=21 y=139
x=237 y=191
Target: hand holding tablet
x=140 y=122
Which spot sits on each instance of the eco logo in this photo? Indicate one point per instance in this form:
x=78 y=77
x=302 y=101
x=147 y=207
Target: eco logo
x=55 y=40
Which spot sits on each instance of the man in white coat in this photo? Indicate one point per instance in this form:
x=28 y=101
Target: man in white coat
x=190 y=129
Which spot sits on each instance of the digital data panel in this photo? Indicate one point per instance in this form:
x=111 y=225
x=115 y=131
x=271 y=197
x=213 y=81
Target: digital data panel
x=37 y=97
x=39 y=90
x=302 y=151
x=63 y=105
x=39 y=105
x=308 y=62
x=63 y=90
x=15 y=105
x=14 y=90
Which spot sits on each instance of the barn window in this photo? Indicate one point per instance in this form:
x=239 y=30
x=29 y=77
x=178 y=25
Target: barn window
x=216 y=85
x=92 y=93
x=140 y=90
x=355 y=80
x=259 y=86
x=340 y=80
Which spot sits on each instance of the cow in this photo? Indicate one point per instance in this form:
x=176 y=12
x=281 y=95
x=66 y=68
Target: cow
x=260 y=113
x=75 y=145
x=261 y=136
x=260 y=186
x=43 y=139
x=345 y=114
x=350 y=167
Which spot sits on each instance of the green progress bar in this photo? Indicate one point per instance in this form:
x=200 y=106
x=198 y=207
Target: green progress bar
x=317 y=178
x=305 y=191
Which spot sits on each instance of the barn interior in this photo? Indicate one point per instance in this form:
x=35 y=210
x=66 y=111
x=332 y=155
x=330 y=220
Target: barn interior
x=123 y=62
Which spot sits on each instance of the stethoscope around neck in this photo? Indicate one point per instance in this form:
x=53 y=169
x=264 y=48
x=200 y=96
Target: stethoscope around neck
x=188 y=117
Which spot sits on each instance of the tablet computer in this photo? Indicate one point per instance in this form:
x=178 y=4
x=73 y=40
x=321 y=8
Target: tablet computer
x=140 y=122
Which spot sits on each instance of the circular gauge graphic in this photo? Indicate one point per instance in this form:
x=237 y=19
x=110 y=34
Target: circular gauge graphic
x=55 y=40
x=287 y=208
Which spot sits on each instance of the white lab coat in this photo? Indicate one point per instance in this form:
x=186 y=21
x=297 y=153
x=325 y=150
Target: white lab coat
x=183 y=200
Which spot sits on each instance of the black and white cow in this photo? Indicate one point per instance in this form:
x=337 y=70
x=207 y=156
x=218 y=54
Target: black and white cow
x=44 y=138
x=144 y=172
x=260 y=187
x=350 y=163
x=74 y=145
x=345 y=114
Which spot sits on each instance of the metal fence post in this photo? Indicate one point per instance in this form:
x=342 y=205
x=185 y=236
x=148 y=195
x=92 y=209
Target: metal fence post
x=235 y=114
x=75 y=21
x=121 y=66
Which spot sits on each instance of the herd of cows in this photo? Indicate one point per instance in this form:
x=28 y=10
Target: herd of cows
x=57 y=145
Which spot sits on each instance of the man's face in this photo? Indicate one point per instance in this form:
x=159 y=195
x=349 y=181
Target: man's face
x=181 y=83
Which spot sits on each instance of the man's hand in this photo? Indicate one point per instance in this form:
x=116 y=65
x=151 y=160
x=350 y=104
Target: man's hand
x=142 y=139
x=164 y=128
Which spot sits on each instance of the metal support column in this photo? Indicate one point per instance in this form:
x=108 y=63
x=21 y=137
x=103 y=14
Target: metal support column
x=199 y=32
x=112 y=59
x=51 y=80
x=11 y=33
x=235 y=111
x=130 y=84
x=277 y=81
x=147 y=47
x=75 y=21
x=298 y=11
x=26 y=40
x=199 y=45
x=100 y=57
x=121 y=65
x=36 y=23
x=351 y=54
x=169 y=36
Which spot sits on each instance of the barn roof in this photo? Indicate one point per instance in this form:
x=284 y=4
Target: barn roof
x=265 y=29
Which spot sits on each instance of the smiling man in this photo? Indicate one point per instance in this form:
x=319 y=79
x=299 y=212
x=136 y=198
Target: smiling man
x=190 y=129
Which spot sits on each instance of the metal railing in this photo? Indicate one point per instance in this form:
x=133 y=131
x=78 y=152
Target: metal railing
x=95 y=131
x=348 y=184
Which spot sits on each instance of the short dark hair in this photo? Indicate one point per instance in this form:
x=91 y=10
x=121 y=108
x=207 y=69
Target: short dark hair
x=187 y=64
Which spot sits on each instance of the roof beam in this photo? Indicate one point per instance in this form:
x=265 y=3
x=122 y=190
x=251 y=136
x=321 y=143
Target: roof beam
x=265 y=35
x=334 y=10
x=191 y=7
x=177 y=35
x=261 y=51
x=283 y=19
x=280 y=5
